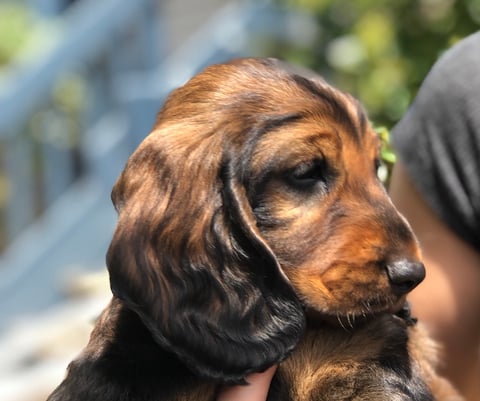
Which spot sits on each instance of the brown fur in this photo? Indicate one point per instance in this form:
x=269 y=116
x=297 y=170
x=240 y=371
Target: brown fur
x=253 y=230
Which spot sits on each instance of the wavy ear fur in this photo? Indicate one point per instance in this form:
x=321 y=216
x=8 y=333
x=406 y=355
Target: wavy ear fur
x=188 y=258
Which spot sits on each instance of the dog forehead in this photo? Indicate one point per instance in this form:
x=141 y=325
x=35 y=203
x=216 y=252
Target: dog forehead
x=306 y=138
x=298 y=142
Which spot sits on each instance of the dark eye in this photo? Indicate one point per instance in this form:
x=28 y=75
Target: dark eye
x=310 y=174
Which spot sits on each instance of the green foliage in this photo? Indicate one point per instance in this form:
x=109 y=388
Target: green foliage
x=388 y=157
x=388 y=154
x=380 y=50
x=15 y=20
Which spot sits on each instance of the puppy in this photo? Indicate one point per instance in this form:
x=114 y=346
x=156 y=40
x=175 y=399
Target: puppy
x=252 y=231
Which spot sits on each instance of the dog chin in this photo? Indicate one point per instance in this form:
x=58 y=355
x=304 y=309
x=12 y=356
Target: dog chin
x=349 y=319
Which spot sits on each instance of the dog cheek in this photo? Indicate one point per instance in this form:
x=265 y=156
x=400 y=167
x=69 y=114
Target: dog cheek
x=346 y=281
x=309 y=288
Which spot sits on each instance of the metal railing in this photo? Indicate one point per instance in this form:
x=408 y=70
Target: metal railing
x=45 y=104
x=103 y=68
x=64 y=136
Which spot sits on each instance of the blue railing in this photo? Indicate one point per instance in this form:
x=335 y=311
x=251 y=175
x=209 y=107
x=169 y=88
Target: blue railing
x=41 y=157
x=61 y=159
x=64 y=136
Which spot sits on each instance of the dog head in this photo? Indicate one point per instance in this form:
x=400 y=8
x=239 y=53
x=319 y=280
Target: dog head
x=255 y=197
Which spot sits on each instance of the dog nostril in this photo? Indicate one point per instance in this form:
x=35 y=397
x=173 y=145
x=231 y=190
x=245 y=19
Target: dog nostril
x=405 y=275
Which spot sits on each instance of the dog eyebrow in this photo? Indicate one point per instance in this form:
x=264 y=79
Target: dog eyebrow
x=268 y=124
x=337 y=107
x=274 y=122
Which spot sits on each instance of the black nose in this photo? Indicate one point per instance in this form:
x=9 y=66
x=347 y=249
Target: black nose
x=405 y=275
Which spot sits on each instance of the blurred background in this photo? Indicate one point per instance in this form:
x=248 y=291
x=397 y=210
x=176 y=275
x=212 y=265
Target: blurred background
x=80 y=84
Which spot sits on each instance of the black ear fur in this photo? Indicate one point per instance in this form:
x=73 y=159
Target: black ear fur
x=212 y=293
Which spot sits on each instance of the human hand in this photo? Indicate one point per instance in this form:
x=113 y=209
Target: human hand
x=256 y=389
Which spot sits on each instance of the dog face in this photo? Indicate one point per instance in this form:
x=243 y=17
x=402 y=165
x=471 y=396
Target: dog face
x=254 y=199
x=326 y=216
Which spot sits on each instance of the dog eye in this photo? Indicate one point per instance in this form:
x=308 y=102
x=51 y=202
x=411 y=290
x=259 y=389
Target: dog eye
x=307 y=175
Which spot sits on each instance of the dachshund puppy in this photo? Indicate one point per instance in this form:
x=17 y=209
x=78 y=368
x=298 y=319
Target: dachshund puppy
x=253 y=231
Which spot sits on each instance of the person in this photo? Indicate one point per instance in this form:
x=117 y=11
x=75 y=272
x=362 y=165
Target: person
x=435 y=184
x=256 y=389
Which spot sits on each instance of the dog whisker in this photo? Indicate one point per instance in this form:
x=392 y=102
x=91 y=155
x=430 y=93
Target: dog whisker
x=339 y=318
x=366 y=305
x=351 y=320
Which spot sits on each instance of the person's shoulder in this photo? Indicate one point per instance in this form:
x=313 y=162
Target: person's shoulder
x=467 y=48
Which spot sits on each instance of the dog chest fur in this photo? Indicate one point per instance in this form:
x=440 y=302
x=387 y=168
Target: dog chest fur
x=370 y=362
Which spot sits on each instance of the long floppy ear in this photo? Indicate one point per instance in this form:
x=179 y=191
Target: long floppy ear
x=188 y=258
